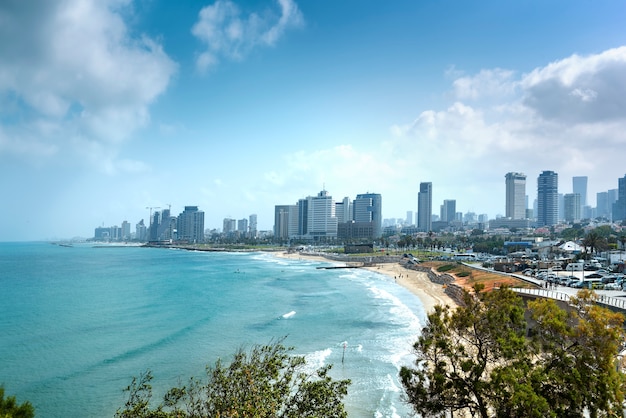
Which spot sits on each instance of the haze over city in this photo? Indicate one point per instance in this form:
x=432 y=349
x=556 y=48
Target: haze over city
x=110 y=107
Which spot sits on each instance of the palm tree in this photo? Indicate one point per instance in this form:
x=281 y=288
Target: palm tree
x=591 y=241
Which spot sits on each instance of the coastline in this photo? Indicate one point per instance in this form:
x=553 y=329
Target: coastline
x=429 y=293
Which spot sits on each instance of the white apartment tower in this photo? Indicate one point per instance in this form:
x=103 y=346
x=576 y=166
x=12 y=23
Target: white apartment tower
x=515 y=195
x=321 y=219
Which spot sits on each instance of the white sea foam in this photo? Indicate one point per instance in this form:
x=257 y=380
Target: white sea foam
x=289 y=314
x=317 y=359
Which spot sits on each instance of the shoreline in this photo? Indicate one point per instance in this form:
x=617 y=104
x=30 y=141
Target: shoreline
x=429 y=293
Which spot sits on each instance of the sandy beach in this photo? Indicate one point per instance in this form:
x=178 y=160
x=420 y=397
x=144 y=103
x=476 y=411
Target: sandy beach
x=430 y=294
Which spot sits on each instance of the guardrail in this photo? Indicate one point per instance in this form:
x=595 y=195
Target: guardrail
x=618 y=303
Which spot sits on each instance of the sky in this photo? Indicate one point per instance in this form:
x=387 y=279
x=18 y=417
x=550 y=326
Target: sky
x=111 y=107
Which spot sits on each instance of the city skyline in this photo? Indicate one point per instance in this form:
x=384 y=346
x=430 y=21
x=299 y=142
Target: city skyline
x=299 y=219
x=109 y=107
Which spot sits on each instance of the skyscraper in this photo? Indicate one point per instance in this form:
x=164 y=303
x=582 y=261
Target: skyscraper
x=579 y=185
x=281 y=221
x=448 y=210
x=619 y=207
x=515 y=195
x=321 y=221
x=547 y=198
x=425 y=207
x=253 y=225
x=571 y=204
x=368 y=208
x=602 y=205
x=191 y=224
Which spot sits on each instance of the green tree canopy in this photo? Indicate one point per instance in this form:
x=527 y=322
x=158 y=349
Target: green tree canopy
x=9 y=407
x=478 y=359
x=267 y=381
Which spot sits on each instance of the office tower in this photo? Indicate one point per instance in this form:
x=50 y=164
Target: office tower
x=321 y=219
x=368 y=208
x=515 y=195
x=303 y=217
x=602 y=205
x=547 y=198
x=281 y=221
x=166 y=226
x=343 y=210
x=409 y=217
x=448 y=210
x=253 y=225
x=571 y=203
x=579 y=185
x=619 y=207
x=125 y=230
x=229 y=226
x=191 y=225
x=141 y=232
x=242 y=226
x=425 y=207
x=294 y=221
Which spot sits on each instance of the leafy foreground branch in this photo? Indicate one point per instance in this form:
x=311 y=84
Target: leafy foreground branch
x=480 y=361
x=266 y=382
x=10 y=408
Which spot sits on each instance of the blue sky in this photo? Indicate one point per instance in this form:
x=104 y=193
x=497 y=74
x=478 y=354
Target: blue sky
x=111 y=106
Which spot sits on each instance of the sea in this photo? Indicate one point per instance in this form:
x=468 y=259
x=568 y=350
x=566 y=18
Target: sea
x=77 y=323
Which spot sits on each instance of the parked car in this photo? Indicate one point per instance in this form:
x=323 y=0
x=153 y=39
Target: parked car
x=578 y=284
x=594 y=276
x=569 y=281
x=609 y=278
x=613 y=286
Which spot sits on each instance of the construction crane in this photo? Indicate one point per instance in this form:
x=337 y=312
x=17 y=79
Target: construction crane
x=151 y=208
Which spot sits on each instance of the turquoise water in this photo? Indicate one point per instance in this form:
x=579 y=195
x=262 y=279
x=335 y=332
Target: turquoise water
x=77 y=323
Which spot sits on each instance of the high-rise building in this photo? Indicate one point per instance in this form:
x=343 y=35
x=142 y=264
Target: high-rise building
x=303 y=217
x=343 y=210
x=425 y=207
x=547 y=198
x=191 y=225
x=409 y=217
x=253 y=225
x=368 y=208
x=448 y=210
x=515 y=195
x=321 y=219
x=579 y=185
x=281 y=221
x=125 y=230
x=229 y=226
x=602 y=205
x=571 y=204
x=619 y=207
x=242 y=226
x=141 y=231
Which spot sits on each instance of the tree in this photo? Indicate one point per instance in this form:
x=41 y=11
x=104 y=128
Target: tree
x=9 y=408
x=578 y=349
x=266 y=382
x=478 y=359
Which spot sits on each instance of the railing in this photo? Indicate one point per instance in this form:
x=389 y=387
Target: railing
x=619 y=303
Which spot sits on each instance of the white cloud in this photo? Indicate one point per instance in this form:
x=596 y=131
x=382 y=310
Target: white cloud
x=567 y=116
x=227 y=33
x=579 y=89
x=72 y=73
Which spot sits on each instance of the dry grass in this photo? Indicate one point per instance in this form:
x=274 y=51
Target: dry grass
x=467 y=277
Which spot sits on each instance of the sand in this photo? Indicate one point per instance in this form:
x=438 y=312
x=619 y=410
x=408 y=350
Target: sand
x=429 y=293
